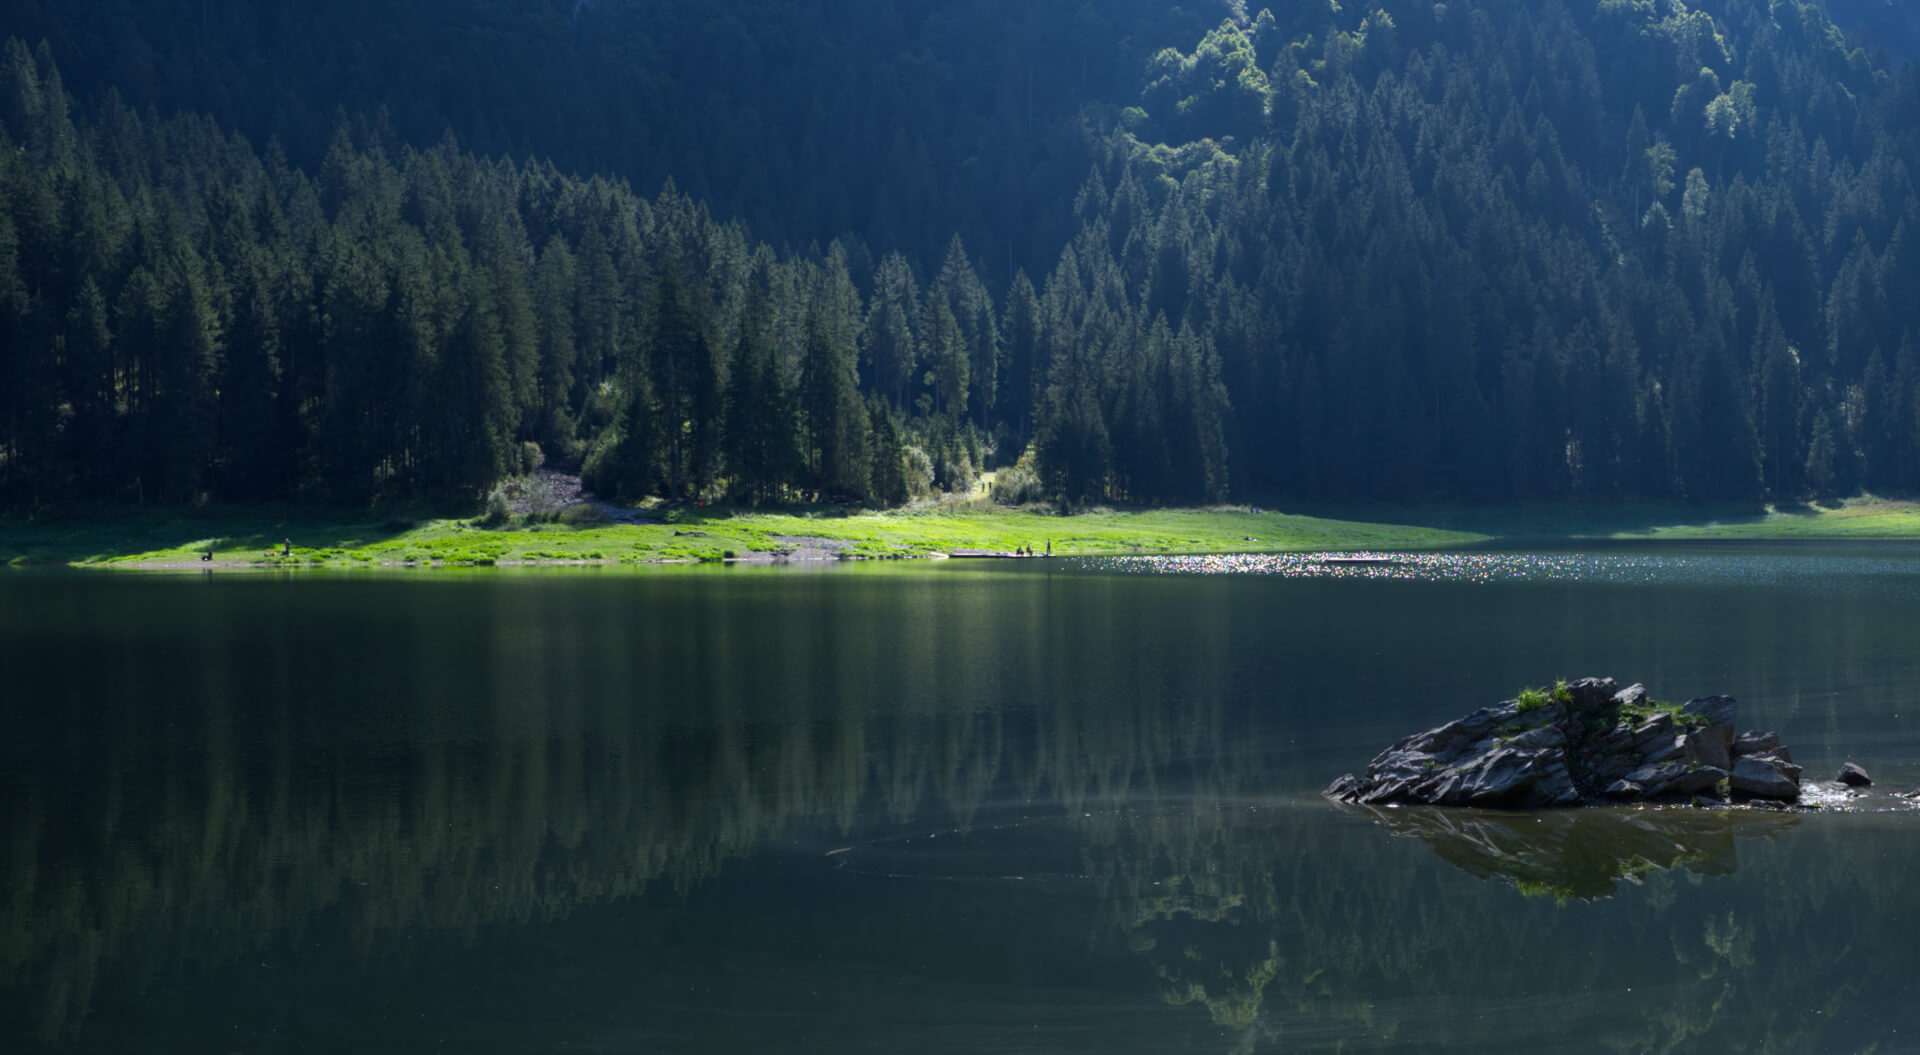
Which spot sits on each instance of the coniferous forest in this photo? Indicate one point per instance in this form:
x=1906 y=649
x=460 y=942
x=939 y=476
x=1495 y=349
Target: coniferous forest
x=767 y=252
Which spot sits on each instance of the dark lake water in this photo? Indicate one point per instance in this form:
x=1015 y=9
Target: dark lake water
x=1035 y=807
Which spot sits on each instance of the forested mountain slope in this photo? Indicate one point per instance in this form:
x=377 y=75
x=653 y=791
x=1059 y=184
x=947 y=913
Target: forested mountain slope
x=1486 y=249
x=900 y=122
x=1890 y=29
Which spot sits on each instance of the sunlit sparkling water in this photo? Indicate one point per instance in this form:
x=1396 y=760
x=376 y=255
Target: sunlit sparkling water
x=1869 y=570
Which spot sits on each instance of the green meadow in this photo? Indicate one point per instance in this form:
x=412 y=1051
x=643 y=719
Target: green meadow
x=255 y=536
x=697 y=535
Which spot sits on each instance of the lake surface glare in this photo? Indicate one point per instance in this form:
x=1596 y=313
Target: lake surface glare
x=1034 y=806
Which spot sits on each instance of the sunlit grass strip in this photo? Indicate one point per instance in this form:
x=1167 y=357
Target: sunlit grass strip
x=713 y=536
x=1219 y=538
x=1854 y=519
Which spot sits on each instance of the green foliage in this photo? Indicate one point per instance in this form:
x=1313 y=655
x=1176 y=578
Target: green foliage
x=1328 y=253
x=1653 y=708
x=1532 y=699
x=498 y=512
x=1020 y=484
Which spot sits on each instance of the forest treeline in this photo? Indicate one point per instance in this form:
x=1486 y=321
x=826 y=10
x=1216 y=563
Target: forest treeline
x=1493 y=249
x=895 y=122
x=187 y=317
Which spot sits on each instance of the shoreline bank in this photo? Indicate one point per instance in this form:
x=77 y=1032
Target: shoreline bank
x=250 y=539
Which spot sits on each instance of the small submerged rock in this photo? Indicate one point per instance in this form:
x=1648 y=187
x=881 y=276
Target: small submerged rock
x=1766 y=777
x=1583 y=742
x=1853 y=776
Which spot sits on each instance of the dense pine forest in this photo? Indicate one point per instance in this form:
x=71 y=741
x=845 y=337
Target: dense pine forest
x=1483 y=250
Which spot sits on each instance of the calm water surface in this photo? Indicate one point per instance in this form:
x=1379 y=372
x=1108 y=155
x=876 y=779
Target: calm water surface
x=1046 y=806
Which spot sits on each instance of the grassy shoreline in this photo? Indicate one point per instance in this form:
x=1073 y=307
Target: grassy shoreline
x=253 y=537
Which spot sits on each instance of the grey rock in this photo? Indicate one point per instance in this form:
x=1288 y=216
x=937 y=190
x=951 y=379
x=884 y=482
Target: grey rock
x=1717 y=710
x=1545 y=736
x=1624 y=790
x=1712 y=746
x=1599 y=743
x=1617 y=740
x=1665 y=748
x=1507 y=776
x=1658 y=777
x=1853 y=776
x=1697 y=781
x=1604 y=769
x=1755 y=743
x=1592 y=694
x=1655 y=732
x=1766 y=777
x=1676 y=778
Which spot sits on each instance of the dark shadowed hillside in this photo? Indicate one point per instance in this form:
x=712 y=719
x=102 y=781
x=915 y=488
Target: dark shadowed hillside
x=1490 y=249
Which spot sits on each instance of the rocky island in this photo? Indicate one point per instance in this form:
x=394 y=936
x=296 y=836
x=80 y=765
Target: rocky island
x=1580 y=743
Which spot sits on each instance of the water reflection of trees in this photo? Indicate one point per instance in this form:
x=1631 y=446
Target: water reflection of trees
x=549 y=763
x=1283 y=922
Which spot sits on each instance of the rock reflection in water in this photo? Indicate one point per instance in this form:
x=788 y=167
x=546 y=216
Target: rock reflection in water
x=1302 y=929
x=1583 y=854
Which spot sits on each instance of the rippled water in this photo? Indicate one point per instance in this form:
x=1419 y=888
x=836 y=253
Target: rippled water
x=1880 y=568
x=1002 y=806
